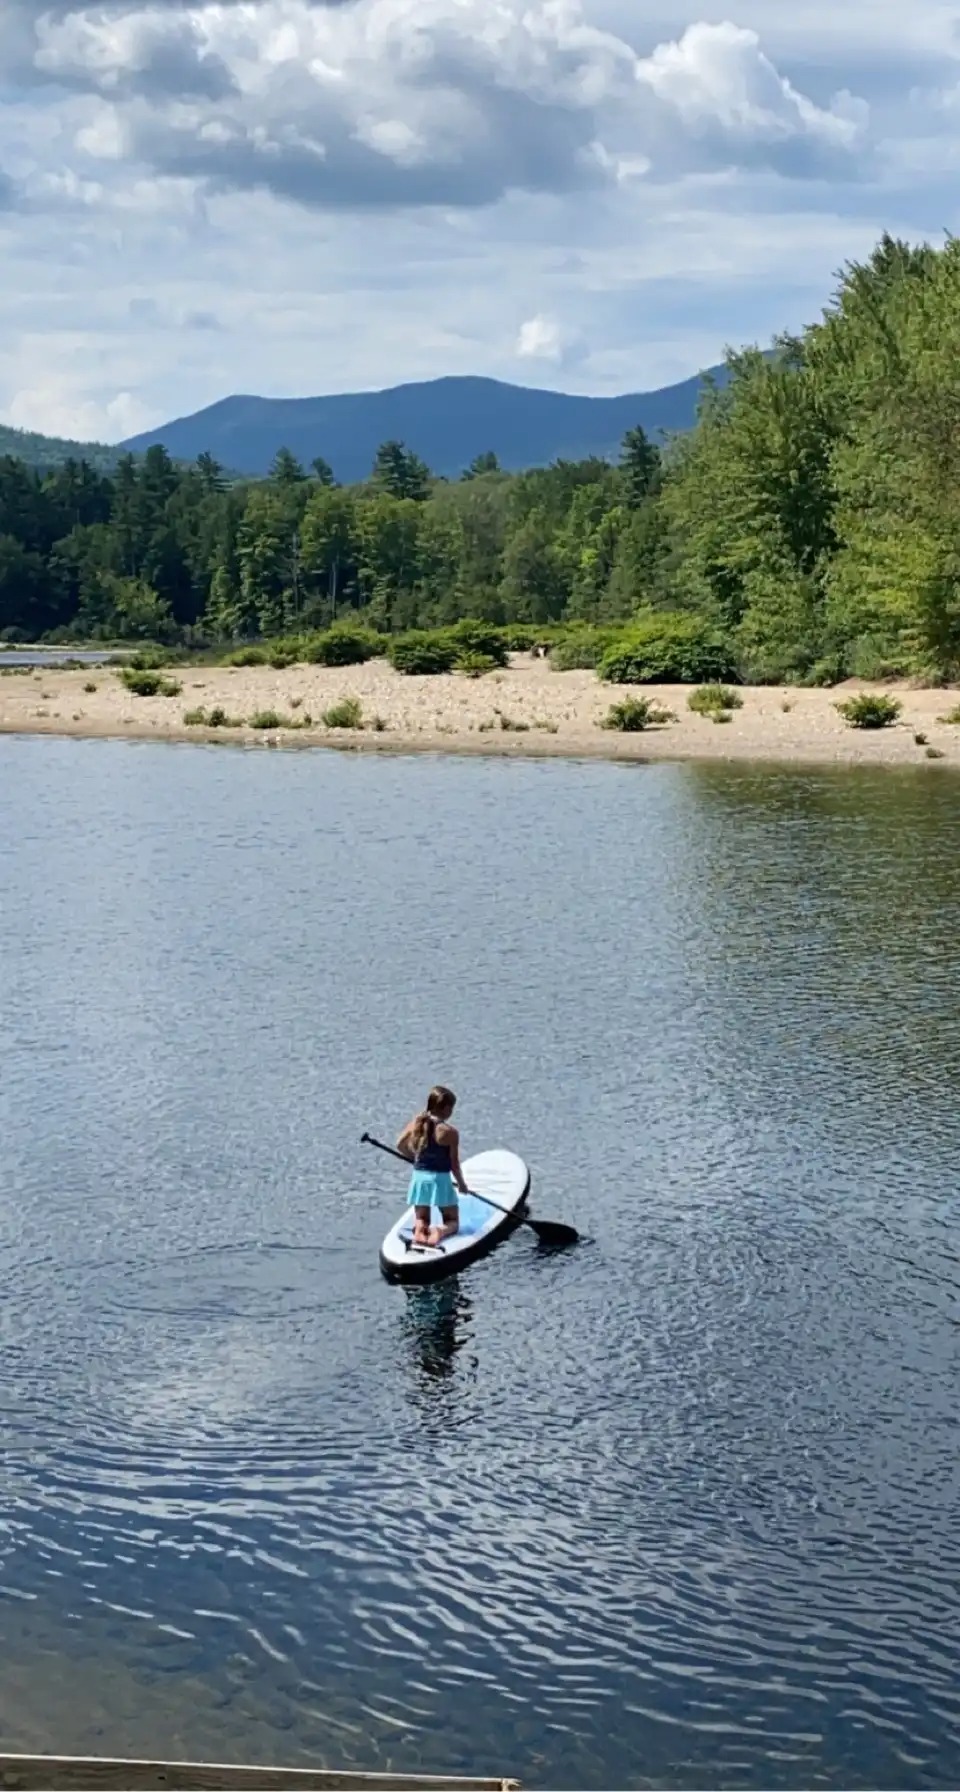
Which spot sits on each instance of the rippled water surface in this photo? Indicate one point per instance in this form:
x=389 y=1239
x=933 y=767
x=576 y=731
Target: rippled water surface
x=679 y=1508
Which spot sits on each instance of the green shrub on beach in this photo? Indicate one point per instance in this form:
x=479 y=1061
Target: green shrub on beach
x=420 y=653
x=870 y=709
x=633 y=714
x=582 y=649
x=471 y=647
x=284 y=654
x=269 y=718
x=524 y=637
x=246 y=656
x=149 y=684
x=348 y=713
x=473 y=638
x=214 y=718
x=668 y=649
x=343 y=645
x=148 y=659
x=142 y=684
x=475 y=665
x=714 y=699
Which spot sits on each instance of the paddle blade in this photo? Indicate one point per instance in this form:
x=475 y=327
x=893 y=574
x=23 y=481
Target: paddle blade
x=551 y=1232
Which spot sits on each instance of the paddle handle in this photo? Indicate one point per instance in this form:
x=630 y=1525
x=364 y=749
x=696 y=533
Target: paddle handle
x=368 y=1139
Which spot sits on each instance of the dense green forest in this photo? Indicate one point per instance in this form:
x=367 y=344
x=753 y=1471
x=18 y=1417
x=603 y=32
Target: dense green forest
x=811 y=519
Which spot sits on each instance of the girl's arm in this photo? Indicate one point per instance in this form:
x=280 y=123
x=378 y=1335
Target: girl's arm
x=453 y=1140
x=404 y=1145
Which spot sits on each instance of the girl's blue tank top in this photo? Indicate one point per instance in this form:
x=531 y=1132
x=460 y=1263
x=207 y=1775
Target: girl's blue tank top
x=434 y=1157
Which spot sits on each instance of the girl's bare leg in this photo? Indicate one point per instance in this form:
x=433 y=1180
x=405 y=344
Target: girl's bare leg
x=421 y=1230
x=451 y=1225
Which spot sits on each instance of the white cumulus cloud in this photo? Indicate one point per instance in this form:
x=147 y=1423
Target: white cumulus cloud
x=543 y=338
x=422 y=102
x=60 y=408
x=719 y=84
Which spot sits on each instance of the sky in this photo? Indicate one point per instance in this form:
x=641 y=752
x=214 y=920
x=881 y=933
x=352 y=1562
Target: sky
x=288 y=197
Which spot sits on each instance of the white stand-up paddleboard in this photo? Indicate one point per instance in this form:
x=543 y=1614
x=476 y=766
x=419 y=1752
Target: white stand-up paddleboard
x=501 y=1175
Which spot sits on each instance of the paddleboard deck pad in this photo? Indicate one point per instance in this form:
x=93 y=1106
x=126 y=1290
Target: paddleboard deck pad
x=501 y=1175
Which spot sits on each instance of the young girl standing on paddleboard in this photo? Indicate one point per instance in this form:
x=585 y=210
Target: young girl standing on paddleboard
x=433 y=1147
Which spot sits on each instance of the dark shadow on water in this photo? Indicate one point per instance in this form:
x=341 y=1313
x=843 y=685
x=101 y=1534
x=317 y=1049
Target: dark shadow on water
x=548 y=1247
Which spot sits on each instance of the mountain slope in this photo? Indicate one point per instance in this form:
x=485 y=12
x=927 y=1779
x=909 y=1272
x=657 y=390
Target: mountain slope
x=51 y=451
x=446 y=421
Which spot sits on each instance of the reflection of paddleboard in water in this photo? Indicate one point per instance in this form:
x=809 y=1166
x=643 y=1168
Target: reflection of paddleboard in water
x=501 y=1175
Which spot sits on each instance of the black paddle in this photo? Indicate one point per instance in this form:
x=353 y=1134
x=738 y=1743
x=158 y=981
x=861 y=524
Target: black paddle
x=549 y=1232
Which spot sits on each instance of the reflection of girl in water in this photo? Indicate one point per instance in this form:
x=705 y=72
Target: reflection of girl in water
x=438 y=1328
x=434 y=1321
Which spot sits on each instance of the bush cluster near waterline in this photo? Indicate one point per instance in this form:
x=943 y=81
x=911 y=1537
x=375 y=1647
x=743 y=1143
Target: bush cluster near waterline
x=660 y=647
x=216 y=717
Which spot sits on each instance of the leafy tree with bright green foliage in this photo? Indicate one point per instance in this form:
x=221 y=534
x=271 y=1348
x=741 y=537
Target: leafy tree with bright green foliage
x=328 y=549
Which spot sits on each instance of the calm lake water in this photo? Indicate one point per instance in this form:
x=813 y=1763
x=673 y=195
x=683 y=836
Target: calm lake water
x=58 y=656
x=680 y=1508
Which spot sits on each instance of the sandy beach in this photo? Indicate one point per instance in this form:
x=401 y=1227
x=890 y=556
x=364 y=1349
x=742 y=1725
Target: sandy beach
x=525 y=710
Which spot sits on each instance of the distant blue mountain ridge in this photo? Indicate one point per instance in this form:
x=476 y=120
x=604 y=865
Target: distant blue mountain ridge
x=448 y=422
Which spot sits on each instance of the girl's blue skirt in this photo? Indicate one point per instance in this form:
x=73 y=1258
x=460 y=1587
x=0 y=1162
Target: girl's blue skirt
x=432 y=1188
